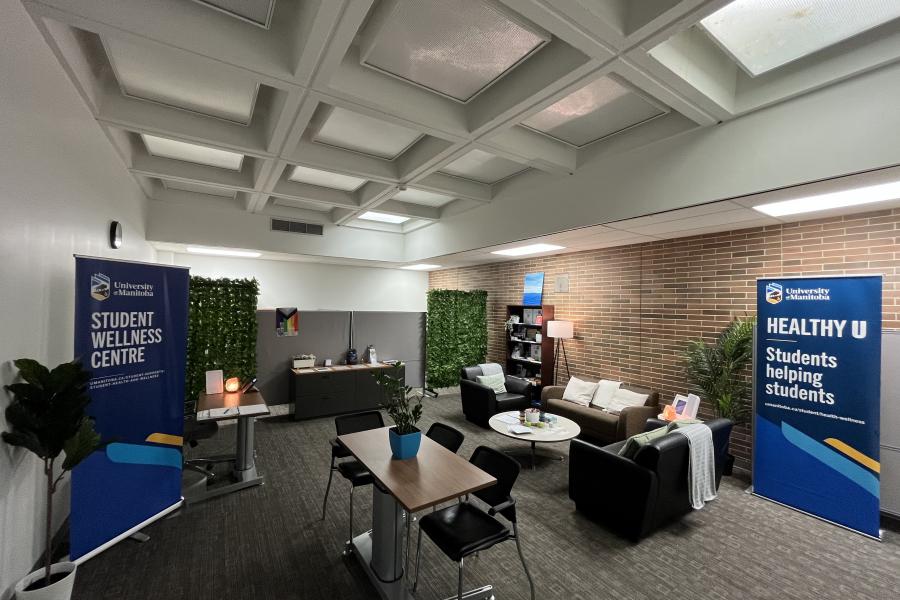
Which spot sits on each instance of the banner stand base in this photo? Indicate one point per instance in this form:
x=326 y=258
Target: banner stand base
x=129 y=533
x=879 y=538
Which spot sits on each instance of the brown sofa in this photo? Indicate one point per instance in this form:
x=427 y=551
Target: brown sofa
x=597 y=424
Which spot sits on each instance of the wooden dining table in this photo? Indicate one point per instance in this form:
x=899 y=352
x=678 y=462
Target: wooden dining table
x=403 y=487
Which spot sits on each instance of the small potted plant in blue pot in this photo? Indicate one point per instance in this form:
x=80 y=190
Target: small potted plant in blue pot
x=405 y=409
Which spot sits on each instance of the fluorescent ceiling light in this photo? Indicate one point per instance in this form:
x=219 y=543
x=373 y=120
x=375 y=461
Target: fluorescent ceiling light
x=864 y=195
x=222 y=252
x=213 y=157
x=362 y=133
x=456 y=48
x=383 y=217
x=762 y=35
x=597 y=110
x=530 y=249
x=421 y=267
x=337 y=181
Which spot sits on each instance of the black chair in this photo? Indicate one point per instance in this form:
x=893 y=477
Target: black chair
x=194 y=432
x=351 y=470
x=464 y=529
x=480 y=403
x=635 y=496
x=446 y=436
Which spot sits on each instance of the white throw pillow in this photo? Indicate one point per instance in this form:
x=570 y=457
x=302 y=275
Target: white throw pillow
x=579 y=392
x=604 y=393
x=496 y=382
x=624 y=398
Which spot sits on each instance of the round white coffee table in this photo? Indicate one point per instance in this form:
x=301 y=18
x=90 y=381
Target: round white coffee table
x=563 y=431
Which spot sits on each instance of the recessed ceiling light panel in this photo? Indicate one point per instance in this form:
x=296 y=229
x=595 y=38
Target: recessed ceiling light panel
x=865 y=195
x=365 y=134
x=202 y=155
x=483 y=167
x=337 y=181
x=762 y=35
x=222 y=252
x=454 y=47
x=599 y=109
x=421 y=267
x=530 y=249
x=257 y=12
x=383 y=217
x=181 y=80
x=423 y=198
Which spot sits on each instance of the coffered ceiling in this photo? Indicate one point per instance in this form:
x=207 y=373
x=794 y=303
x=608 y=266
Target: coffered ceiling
x=408 y=112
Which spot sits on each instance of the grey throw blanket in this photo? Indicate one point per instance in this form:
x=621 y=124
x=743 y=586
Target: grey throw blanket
x=702 y=464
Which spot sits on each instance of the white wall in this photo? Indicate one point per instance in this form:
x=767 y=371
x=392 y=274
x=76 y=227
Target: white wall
x=312 y=286
x=60 y=185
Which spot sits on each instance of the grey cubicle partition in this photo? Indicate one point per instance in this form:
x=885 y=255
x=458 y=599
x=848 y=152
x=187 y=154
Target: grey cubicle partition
x=323 y=333
x=396 y=336
x=890 y=422
x=326 y=334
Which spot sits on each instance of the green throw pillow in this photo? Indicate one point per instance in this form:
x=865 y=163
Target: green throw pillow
x=495 y=382
x=636 y=442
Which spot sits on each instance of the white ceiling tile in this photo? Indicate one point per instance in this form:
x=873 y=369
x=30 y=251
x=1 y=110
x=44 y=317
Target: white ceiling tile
x=198 y=188
x=762 y=35
x=730 y=219
x=483 y=167
x=599 y=109
x=362 y=133
x=203 y=155
x=174 y=78
x=423 y=198
x=258 y=12
x=337 y=181
x=454 y=47
x=700 y=210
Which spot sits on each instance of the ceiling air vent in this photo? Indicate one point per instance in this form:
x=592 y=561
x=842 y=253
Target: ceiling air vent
x=296 y=227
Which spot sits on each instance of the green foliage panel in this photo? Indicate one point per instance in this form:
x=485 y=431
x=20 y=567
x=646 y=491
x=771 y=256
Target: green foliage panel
x=457 y=334
x=221 y=330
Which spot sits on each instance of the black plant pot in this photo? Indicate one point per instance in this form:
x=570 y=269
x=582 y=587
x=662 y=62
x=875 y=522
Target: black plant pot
x=728 y=467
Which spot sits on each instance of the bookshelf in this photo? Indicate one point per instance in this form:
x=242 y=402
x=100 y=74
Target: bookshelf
x=526 y=357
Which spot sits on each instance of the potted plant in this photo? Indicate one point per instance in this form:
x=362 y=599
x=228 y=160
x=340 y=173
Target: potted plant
x=405 y=409
x=47 y=417
x=720 y=371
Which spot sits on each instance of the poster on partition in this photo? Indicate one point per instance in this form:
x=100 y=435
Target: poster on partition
x=131 y=333
x=818 y=385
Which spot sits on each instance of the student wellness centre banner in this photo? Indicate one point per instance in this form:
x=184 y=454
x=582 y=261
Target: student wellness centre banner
x=131 y=333
x=818 y=384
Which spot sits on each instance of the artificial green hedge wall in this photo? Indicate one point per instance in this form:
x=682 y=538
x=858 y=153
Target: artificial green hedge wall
x=221 y=330
x=457 y=334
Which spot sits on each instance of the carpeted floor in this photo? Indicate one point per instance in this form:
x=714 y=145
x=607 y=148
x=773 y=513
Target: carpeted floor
x=268 y=542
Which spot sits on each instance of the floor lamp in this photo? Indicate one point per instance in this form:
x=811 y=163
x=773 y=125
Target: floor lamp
x=560 y=330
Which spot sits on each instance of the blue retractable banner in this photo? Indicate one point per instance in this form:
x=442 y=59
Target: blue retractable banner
x=818 y=388
x=131 y=333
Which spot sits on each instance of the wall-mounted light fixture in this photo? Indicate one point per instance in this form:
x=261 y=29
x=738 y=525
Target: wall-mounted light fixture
x=115 y=235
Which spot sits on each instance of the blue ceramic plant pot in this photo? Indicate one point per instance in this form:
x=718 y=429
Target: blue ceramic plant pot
x=404 y=446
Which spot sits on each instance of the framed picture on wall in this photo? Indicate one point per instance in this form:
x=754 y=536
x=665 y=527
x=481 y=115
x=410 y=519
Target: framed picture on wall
x=534 y=289
x=287 y=322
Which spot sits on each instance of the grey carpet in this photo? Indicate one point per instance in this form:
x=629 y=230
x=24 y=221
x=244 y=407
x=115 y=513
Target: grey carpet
x=268 y=542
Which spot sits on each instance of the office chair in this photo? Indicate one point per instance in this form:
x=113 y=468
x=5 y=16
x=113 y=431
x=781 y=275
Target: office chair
x=351 y=470
x=446 y=436
x=464 y=529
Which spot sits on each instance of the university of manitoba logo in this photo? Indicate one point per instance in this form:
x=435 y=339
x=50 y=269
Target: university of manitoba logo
x=100 y=285
x=774 y=293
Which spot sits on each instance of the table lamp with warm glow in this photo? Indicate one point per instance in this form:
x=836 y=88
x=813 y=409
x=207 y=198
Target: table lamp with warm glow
x=560 y=330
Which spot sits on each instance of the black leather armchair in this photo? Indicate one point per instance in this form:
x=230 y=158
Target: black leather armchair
x=480 y=402
x=634 y=497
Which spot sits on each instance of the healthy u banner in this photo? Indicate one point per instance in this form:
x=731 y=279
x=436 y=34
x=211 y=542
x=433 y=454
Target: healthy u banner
x=818 y=389
x=131 y=333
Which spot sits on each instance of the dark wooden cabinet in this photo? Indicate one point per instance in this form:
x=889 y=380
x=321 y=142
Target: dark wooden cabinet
x=337 y=391
x=522 y=348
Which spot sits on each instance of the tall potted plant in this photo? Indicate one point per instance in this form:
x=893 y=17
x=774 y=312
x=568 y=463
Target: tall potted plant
x=405 y=409
x=720 y=371
x=47 y=417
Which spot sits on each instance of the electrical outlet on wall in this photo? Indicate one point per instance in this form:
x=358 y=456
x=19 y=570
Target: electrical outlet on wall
x=561 y=283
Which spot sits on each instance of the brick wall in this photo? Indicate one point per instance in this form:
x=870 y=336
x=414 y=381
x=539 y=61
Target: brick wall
x=635 y=307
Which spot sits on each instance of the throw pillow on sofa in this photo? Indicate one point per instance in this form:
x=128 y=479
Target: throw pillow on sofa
x=624 y=398
x=578 y=391
x=636 y=442
x=496 y=382
x=604 y=393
